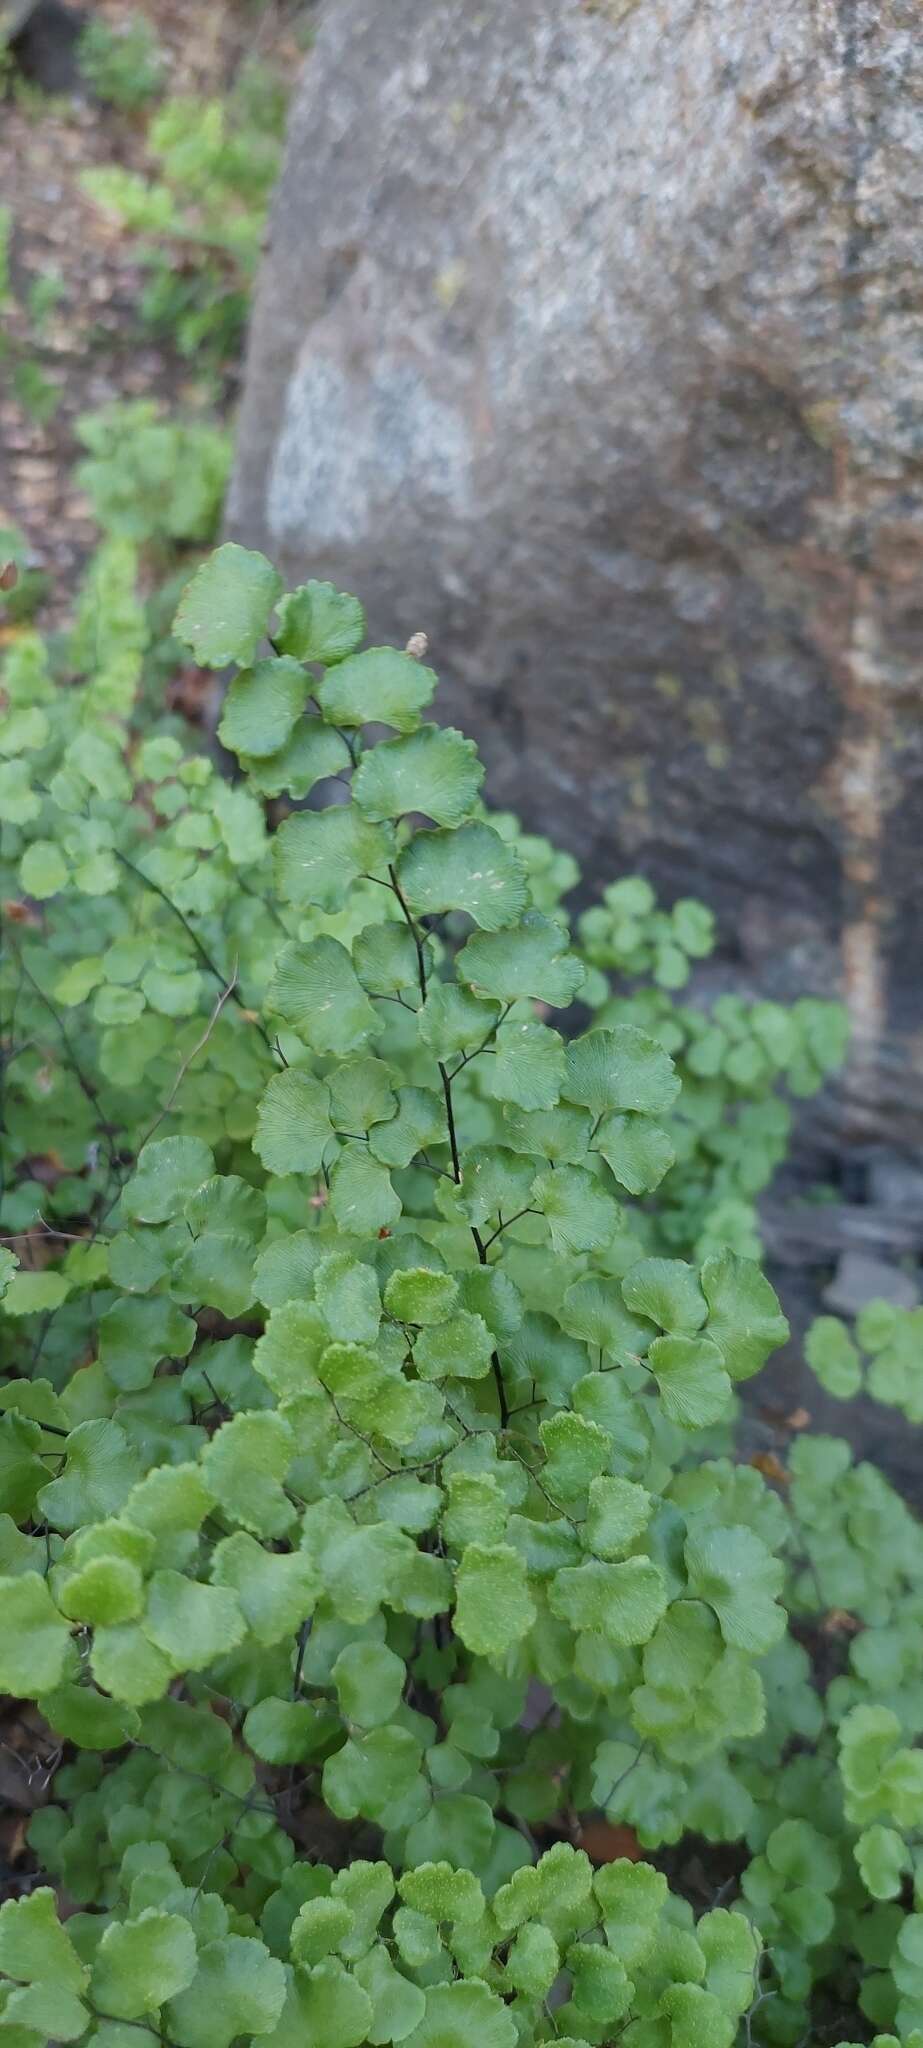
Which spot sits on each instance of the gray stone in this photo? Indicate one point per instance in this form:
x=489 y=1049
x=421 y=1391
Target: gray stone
x=896 y=1183
x=860 y=1278
x=13 y=15
x=588 y=340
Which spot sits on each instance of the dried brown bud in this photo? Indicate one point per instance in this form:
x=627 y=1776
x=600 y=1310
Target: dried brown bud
x=417 y=646
x=9 y=576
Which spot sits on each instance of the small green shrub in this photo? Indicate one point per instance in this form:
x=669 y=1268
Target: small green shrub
x=369 y=1508
x=21 y=329
x=150 y=479
x=200 y=216
x=123 y=63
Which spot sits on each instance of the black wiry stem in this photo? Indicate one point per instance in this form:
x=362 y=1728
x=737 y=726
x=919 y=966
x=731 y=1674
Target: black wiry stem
x=414 y=931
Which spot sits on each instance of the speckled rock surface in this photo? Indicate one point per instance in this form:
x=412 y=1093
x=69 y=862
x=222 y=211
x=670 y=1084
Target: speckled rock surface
x=589 y=340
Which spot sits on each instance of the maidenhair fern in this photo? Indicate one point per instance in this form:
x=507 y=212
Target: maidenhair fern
x=370 y=1519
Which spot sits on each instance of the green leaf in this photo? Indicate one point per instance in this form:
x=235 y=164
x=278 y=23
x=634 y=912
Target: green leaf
x=319 y=623
x=135 y=1335
x=49 y=2009
x=141 y=1963
x=371 y=1774
x=33 y=1652
x=30 y=1294
x=732 y=1570
x=167 y=1173
x=320 y=855
x=34 y=1947
x=458 y=1348
x=316 y=990
x=476 y=1510
x=224 y=611
x=239 y=1988
x=287 y=1354
x=744 y=1317
x=361 y=1196
x=883 y=1857
x=319 y=1928
x=347 y=1295
x=312 y=754
x=531 y=961
x=369 y=1680
x=594 y=1310
x=100 y=1470
x=577 y=1451
x=601 y=1987
x=493 y=1606
x=581 y=1217
x=189 y=1623
x=619 y=1070
x=104 y=1591
x=293 y=1127
x=526 y=1064
x=694 y=1387
x=458 y=2015
x=638 y=1152
x=262 y=707
x=367 y=1889
x=832 y=1355
x=731 y=1948
x=378 y=687
x=494 y=1182
x=667 y=1292
x=80 y=1714
x=435 y=772
x=619 y=1512
x=276 y=1591
x=471 y=869
x=397 y=2005
x=285 y=1270
x=362 y=1094
x=623 y=1602
x=244 y=1466
x=128 y=1666
x=696 y=2019
x=416 y=1295
x=442 y=1893
x=385 y=958
x=452 y=1021
x=631 y=1898
x=43 y=871
x=334 y=2011
x=534 y=1960
x=283 y=1731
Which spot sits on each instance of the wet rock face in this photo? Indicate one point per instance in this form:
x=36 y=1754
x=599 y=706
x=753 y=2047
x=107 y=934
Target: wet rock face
x=589 y=340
